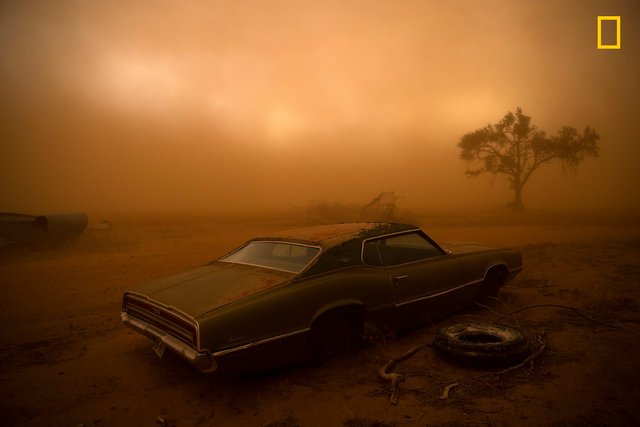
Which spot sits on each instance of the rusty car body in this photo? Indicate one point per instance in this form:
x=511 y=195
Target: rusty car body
x=311 y=291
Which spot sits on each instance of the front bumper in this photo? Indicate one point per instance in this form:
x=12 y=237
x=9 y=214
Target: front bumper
x=203 y=361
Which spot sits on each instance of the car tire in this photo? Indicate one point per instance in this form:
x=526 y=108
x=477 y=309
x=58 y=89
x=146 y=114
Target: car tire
x=334 y=334
x=481 y=344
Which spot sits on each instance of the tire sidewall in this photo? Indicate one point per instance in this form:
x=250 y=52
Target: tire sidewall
x=512 y=345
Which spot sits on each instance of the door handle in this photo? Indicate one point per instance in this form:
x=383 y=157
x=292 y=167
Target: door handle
x=397 y=279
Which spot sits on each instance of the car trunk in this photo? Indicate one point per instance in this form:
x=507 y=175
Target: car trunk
x=204 y=289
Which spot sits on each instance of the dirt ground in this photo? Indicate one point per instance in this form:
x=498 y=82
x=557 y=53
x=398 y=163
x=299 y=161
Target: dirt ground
x=66 y=359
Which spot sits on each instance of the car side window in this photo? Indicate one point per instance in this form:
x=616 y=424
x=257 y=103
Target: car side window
x=371 y=253
x=399 y=249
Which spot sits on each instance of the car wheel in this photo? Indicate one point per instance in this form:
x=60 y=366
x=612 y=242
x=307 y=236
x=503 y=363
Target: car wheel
x=493 y=281
x=481 y=344
x=332 y=335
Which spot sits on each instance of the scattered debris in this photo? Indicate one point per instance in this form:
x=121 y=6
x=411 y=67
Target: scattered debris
x=165 y=422
x=381 y=208
x=31 y=230
x=395 y=378
x=447 y=389
x=103 y=225
x=494 y=342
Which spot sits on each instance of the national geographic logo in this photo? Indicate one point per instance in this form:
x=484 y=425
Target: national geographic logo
x=609 y=32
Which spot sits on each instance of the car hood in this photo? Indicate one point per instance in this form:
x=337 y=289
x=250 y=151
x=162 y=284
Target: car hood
x=204 y=289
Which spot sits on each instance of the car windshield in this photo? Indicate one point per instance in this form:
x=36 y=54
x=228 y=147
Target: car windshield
x=291 y=257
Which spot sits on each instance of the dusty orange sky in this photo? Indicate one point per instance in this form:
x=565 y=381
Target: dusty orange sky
x=160 y=106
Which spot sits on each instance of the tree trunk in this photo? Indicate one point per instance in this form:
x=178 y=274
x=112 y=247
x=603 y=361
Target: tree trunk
x=517 y=204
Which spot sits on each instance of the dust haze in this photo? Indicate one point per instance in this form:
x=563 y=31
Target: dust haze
x=244 y=113
x=217 y=106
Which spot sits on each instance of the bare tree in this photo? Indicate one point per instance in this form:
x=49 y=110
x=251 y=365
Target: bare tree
x=515 y=148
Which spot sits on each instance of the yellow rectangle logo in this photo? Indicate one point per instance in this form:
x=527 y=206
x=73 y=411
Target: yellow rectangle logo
x=615 y=19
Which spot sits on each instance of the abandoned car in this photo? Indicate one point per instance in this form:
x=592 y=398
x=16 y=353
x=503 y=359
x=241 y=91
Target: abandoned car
x=310 y=293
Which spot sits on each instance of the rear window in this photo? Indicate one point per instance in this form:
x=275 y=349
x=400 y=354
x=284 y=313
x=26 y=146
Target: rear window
x=290 y=257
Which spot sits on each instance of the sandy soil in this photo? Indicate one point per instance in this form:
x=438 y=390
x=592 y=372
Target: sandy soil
x=66 y=359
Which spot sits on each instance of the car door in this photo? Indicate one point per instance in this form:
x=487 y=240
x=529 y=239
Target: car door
x=420 y=273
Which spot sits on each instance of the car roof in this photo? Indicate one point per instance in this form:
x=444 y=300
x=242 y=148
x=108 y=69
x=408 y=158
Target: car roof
x=341 y=243
x=330 y=235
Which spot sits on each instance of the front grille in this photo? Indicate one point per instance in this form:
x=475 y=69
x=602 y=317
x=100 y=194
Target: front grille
x=165 y=320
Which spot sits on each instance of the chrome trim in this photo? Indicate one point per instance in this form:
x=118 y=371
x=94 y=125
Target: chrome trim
x=263 y=341
x=170 y=308
x=382 y=236
x=273 y=268
x=500 y=264
x=457 y=287
x=261 y=266
x=202 y=360
x=438 y=294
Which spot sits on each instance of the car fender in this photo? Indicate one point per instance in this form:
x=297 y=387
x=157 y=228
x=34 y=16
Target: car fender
x=346 y=304
x=499 y=265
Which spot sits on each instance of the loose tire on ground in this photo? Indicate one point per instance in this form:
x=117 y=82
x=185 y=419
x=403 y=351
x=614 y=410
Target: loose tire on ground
x=481 y=344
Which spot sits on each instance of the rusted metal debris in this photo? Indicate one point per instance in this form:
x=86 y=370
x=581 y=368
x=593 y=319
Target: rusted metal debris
x=381 y=208
x=39 y=230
